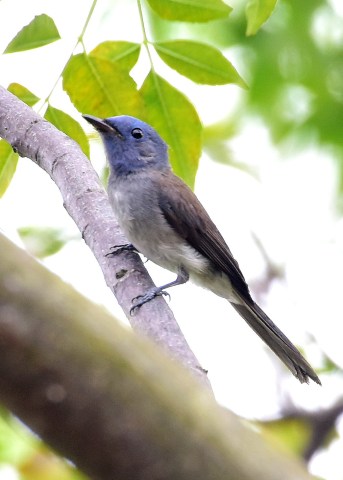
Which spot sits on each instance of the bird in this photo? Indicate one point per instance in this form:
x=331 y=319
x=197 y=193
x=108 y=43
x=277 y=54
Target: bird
x=164 y=220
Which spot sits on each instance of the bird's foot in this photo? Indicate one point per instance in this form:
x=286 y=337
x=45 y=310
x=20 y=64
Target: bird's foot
x=150 y=295
x=125 y=247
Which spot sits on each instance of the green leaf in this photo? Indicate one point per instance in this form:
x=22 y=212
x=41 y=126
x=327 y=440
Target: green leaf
x=177 y=121
x=100 y=87
x=293 y=433
x=42 y=241
x=215 y=143
x=190 y=10
x=125 y=54
x=199 y=62
x=41 y=31
x=257 y=12
x=32 y=460
x=8 y=165
x=69 y=126
x=16 y=443
x=23 y=94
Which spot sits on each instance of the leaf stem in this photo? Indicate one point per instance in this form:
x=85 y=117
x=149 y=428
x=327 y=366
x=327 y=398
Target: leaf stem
x=145 y=37
x=89 y=16
x=79 y=41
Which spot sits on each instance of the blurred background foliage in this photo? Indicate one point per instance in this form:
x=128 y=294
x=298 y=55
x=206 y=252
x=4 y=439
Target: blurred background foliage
x=24 y=456
x=289 y=74
x=294 y=70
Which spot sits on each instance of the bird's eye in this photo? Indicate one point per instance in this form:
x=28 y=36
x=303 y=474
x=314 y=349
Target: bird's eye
x=137 y=133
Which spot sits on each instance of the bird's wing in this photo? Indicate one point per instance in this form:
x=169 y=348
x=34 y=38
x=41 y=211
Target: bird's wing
x=185 y=214
x=189 y=219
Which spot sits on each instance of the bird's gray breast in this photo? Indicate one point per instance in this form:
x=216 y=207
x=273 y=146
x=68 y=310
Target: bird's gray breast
x=134 y=200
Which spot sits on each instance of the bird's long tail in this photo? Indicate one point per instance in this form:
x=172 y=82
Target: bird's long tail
x=277 y=341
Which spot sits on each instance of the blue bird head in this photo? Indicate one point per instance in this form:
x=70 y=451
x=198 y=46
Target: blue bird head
x=131 y=145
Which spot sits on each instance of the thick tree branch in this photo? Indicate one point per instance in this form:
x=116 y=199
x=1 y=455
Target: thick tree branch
x=86 y=202
x=108 y=399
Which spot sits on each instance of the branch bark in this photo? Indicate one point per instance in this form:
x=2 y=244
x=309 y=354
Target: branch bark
x=108 y=399
x=86 y=202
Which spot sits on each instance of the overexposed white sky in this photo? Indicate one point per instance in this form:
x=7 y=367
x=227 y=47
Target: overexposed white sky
x=290 y=208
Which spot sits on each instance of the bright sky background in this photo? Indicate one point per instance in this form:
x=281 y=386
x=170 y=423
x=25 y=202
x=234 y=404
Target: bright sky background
x=290 y=208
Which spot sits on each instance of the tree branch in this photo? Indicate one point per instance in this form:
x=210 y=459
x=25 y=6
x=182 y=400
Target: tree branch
x=108 y=399
x=86 y=202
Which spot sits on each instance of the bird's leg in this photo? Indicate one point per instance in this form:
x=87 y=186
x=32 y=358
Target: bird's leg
x=182 y=277
x=125 y=247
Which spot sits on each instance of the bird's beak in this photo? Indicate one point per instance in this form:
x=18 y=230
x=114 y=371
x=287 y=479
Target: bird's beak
x=101 y=125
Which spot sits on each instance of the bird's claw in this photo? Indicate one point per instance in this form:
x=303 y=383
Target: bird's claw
x=150 y=295
x=125 y=247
